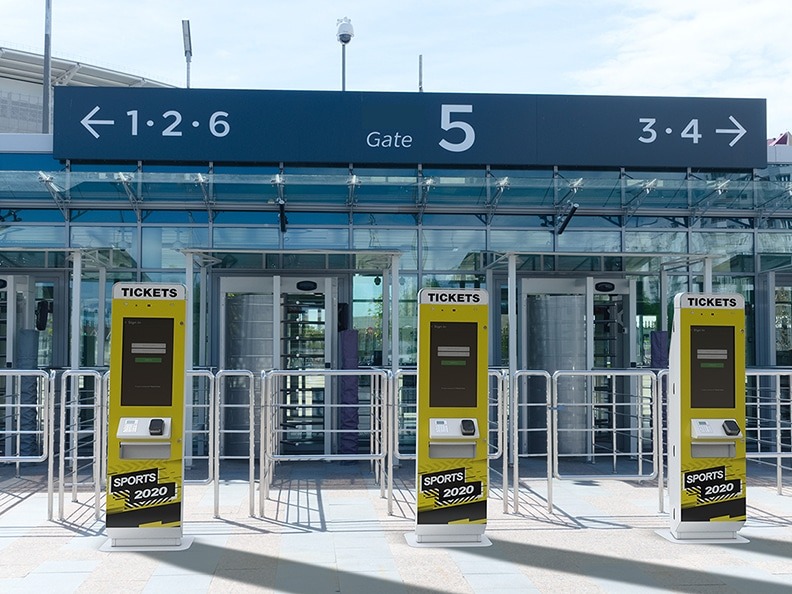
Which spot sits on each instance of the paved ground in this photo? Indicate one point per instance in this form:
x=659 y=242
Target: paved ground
x=326 y=529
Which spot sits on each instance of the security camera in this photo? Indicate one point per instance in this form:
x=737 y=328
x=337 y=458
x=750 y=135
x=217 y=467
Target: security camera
x=345 y=30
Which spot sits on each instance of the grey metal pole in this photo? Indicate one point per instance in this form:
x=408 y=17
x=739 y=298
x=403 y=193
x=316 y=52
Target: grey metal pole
x=343 y=67
x=47 y=78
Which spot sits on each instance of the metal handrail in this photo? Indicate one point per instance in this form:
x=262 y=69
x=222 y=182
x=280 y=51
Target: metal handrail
x=515 y=403
x=210 y=406
x=637 y=373
x=19 y=374
x=97 y=439
x=219 y=377
x=378 y=407
x=778 y=454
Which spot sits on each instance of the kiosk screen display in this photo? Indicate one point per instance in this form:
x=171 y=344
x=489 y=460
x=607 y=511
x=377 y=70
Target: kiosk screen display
x=712 y=367
x=147 y=362
x=453 y=364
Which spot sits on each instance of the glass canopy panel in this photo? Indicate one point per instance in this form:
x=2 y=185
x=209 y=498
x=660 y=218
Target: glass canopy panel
x=589 y=188
x=454 y=187
x=724 y=193
x=24 y=187
x=655 y=192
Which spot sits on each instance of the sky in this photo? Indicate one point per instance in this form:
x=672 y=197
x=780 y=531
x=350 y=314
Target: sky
x=687 y=48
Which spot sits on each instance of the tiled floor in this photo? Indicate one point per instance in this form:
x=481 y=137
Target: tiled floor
x=326 y=529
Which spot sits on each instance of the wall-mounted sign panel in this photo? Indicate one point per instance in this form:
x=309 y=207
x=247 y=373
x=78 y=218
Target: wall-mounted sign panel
x=323 y=127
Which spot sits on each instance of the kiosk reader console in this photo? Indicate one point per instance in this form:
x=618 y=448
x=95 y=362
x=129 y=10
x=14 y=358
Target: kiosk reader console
x=146 y=417
x=452 y=448
x=706 y=417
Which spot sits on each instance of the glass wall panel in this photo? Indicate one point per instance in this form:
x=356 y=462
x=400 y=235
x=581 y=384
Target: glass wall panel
x=452 y=249
x=122 y=241
x=656 y=222
x=244 y=238
x=670 y=242
x=774 y=243
x=589 y=241
x=161 y=245
x=386 y=219
x=33 y=236
x=404 y=240
x=367 y=317
x=408 y=320
x=316 y=238
x=736 y=248
x=127 y=216
x=520 y=241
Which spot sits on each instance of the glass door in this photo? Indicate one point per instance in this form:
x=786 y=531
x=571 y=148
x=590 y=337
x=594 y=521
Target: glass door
x=308 y=336
x=32 y=331
x=278 y=323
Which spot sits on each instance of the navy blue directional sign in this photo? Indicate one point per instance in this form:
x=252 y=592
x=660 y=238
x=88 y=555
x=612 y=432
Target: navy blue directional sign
x=225 y=126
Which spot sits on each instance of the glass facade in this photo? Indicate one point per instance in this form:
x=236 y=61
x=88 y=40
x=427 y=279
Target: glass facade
x=451 y=228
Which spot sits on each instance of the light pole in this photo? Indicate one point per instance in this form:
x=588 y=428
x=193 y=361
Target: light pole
x=345 y=35
x=47 y=78
x=187 y=47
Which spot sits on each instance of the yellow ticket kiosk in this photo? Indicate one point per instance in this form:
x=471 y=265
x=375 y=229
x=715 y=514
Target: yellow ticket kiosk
x=146 y=417
x=451 y=465
x=706 y=418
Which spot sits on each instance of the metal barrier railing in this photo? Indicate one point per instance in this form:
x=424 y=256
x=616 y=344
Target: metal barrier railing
x=663 y=383
x=633 y=419
x=521 y=410
x=220 y=430
x=405 y=412
x=199 y=425
x=277 y=414
x=24 y=416
x=629 y=413
x=85 y=435
x=769 y=418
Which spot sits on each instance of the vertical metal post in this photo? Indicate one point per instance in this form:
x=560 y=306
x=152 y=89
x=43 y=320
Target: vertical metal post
x=343 y=67
x=511 y=290
x=47 y=78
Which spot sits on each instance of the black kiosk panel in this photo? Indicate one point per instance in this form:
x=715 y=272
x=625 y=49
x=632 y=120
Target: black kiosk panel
x=712 y=367
x=147 y=365
x=452 y=369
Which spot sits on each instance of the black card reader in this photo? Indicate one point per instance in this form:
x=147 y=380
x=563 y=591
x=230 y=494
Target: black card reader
x=156 y=427
x=731 y=428
x=467 y=427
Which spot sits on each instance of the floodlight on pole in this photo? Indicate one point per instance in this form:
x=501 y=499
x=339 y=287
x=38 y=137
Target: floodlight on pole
x=345 y=35
x=187 y=47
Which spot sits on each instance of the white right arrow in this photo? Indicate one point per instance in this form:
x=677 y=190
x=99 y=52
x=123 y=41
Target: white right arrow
x=739 y=131
x=88 y=122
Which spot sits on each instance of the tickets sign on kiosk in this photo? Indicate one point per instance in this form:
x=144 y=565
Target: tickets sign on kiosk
x=146 y=417
x=706 y=417
x=452 y=425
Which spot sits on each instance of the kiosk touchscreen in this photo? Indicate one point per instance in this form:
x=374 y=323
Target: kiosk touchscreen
x=146 y=417
x=452 y=449
x=706 y=417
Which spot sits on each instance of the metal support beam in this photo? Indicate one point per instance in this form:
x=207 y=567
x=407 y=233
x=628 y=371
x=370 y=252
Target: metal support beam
x=125 y=179
x=59 y=195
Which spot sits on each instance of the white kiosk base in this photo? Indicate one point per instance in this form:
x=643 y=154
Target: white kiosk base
x=704 y=538
x=146 y=539
x=446 y=540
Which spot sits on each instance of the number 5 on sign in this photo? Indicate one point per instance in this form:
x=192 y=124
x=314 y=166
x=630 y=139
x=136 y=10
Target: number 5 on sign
x=446 y=123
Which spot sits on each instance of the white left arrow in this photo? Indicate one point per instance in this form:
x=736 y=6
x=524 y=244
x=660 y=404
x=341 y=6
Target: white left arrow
x=88 y=122
x=739 y=131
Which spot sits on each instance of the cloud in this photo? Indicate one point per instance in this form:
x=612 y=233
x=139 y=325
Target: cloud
x=724 y=48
